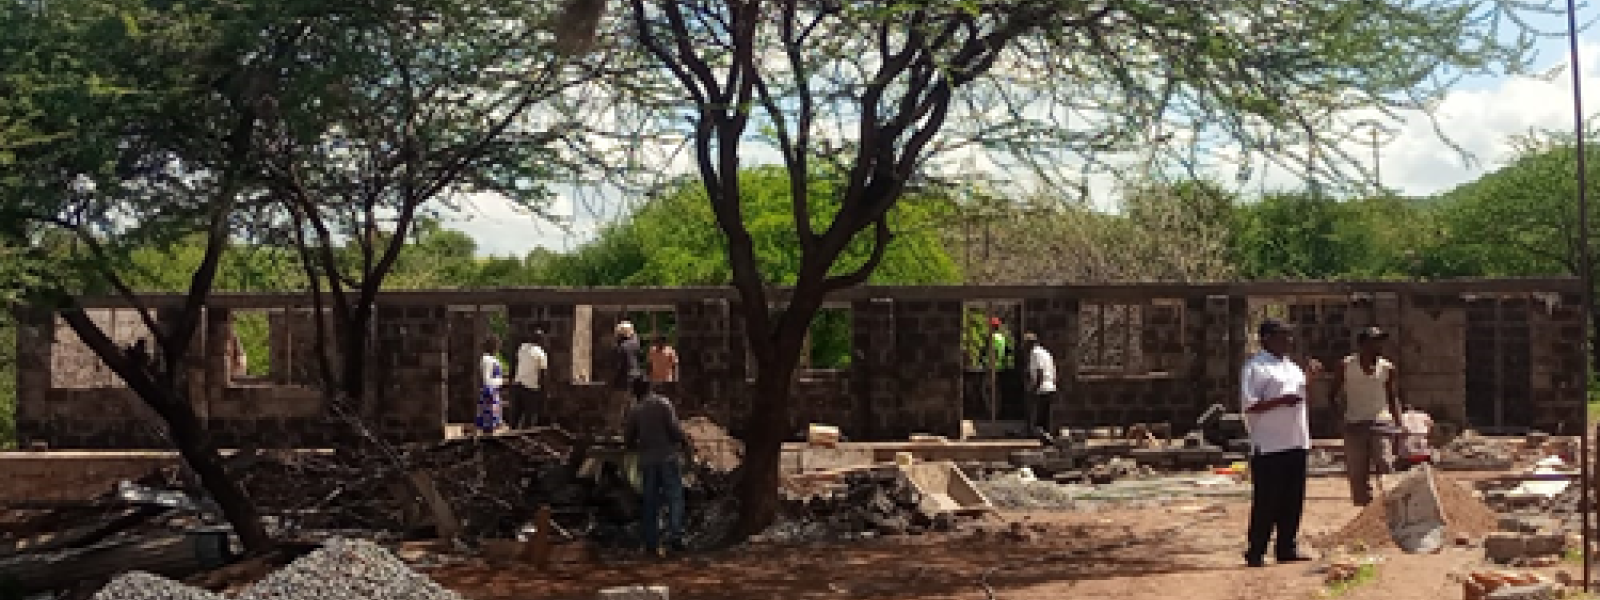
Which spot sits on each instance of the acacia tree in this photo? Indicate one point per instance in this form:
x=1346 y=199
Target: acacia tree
x=135 y=151
x=899 y=82
x=437 y=100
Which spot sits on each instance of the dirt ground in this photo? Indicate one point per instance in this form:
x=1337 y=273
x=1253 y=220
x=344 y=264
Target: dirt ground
x=1183 y=550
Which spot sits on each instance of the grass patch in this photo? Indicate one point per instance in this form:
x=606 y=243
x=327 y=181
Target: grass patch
x=1364 y=573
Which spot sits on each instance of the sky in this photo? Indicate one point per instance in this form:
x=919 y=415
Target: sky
x=1480 y=115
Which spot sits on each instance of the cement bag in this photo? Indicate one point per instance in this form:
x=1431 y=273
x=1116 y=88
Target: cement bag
x=1416 y=520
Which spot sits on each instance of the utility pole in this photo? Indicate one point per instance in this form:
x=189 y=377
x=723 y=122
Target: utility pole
x=1378 y=136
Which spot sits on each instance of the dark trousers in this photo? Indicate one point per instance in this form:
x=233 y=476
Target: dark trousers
x=1277 y=498
x=1364 y=455
x=524 y=410
x=663 y=488
x=1036 y=410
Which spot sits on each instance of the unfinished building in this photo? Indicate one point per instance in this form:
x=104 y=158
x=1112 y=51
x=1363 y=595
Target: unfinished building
x=1490 y=354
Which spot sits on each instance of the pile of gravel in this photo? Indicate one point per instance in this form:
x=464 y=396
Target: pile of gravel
x=1014 y=493
x=348 y=569
x=341 y=569
x=144 y=586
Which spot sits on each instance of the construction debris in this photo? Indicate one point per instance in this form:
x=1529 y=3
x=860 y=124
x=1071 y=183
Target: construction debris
x=872 y=502
x=1472 y=452
x=1511 y=585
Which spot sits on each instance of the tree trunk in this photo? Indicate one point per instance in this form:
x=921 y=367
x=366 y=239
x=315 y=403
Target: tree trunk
x=194 y=444
x=768 y=419
x=188 y=433
x=757 y=487
x=354 y=357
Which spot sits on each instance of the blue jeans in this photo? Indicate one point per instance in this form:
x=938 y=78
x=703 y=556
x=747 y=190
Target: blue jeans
x=663 y=483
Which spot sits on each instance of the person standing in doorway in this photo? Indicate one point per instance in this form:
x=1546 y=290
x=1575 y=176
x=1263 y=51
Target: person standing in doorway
x=491 y=377
x=1273 y=390
x=653 y=431
x=1368 y=382
x=999 y=346
x=629 y=370
x=1041 y=383
x=526 y=386
x=663 y=361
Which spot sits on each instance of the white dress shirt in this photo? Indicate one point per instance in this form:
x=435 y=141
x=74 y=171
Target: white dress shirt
x=1265 y=377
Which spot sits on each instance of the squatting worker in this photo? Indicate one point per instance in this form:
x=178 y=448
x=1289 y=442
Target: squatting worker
x=1368 y=382
x=1273 y=387
x=652 y=429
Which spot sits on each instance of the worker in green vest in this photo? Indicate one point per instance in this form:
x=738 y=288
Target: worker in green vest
x=999 y=346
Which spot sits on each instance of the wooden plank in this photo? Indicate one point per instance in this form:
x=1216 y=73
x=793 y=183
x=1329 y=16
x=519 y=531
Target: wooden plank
x=444 y=517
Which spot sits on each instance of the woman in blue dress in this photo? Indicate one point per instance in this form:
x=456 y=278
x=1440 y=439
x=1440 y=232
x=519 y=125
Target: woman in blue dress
x=492 y=375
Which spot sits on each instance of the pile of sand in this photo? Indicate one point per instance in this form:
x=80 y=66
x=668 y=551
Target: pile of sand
x=1464 y=514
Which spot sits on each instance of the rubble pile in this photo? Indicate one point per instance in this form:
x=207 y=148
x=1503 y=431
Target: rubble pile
x=1139 y=489
x=1538 y=512
x=493 y=483
x=1011 y=492
x=341 y=570
x=870 y=502
x=1472 y=452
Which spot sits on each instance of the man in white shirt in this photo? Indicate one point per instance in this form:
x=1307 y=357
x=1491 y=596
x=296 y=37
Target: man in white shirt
x=1273 y=390
x=526 y=385
x=1041 y=383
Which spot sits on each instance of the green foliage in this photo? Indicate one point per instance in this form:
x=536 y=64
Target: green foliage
x=673 y=240
x=1300 y=235
x=1519 y=220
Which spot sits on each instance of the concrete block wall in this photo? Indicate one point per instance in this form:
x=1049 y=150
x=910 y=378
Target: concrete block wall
x=1431 y=355
x=907 y=375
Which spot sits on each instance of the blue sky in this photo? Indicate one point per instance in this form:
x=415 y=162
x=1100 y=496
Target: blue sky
x=1479 y=115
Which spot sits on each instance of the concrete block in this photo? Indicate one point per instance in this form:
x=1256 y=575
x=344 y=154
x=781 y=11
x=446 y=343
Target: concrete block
x=1536 y=591
x=634 y=592
x=1503 y=546
x=1507 y=546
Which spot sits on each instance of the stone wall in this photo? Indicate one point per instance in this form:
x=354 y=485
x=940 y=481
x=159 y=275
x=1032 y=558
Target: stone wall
x=1483 y=354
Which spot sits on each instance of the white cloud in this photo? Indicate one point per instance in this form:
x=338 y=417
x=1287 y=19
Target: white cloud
x=1480 y=117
